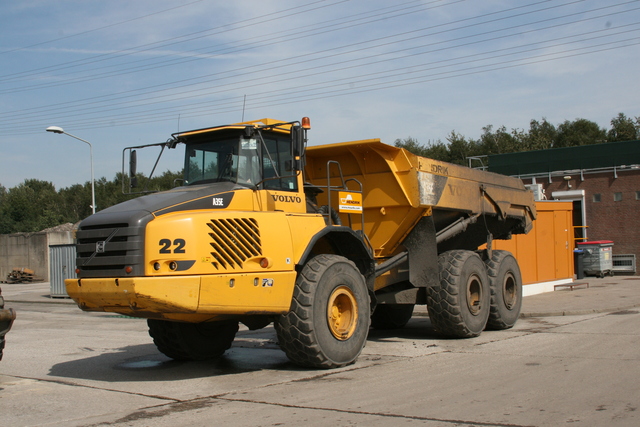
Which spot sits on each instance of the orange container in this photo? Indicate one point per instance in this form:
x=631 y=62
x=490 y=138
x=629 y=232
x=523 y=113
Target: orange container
x=546 y=253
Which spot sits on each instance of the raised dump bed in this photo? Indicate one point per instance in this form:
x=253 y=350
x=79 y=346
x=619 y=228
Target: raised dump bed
x=400 y=188
x=425 y=220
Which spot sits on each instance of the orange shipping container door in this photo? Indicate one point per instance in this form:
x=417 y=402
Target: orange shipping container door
x=546 y=253
x=563 y=234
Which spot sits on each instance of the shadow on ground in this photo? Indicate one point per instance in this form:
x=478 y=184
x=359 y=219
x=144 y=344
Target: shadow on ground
x=144 y=363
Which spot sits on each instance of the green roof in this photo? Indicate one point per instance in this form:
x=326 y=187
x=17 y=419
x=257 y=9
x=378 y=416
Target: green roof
x=592 y=156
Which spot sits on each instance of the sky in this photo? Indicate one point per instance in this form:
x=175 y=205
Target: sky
x=125 y=73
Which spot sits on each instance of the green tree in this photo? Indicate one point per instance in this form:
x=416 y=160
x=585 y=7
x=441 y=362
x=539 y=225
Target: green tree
x=76 y=202
x=31 y=206
x=436 y=151
x=579 y=132
x=5 y=222
x=498 y=142
x=624 y=128
x=412 y=145
x=460 y=148
x=541 y=135
x=166 y=181
x=35 y=205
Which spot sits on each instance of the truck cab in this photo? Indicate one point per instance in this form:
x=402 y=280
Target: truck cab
x=225 y=247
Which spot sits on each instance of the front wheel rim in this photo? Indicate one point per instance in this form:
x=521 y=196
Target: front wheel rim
x=342 y=313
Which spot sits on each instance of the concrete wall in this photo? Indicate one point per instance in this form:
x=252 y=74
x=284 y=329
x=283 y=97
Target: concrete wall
x=30 y=250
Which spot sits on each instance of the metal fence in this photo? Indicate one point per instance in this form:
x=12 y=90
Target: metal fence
x=624 y=263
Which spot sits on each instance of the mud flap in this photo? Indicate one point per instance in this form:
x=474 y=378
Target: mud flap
x=423 y=254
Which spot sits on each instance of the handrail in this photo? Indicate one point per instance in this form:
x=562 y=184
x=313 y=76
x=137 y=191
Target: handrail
x=575 y=239
x=344 y=187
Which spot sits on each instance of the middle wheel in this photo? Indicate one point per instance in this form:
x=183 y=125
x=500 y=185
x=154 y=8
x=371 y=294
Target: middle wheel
x=192 y=341
x=328 y=322
x=391 y=316
x=459 y=305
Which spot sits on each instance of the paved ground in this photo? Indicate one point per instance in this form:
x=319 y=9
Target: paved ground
x=576 y=366
x=604 y=295
x=590 y=295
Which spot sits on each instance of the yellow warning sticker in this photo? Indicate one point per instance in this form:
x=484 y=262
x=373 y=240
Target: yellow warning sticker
x=350 y=202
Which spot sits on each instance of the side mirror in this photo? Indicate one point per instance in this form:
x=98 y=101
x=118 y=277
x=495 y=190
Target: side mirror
x=297 y=147
x=133 y=166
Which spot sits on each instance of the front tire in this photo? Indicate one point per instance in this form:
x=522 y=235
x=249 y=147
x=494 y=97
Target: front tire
x=459 y=305
x=506 y=290
x=192 y=341
x=328 y=322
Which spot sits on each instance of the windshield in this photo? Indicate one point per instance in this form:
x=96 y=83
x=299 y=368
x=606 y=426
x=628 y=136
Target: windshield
x=237 y=159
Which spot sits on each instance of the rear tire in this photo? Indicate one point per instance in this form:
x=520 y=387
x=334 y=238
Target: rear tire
x=328 y=322
x=506 y=290
x=459 y=305
x=192 y=341
x=391 y=316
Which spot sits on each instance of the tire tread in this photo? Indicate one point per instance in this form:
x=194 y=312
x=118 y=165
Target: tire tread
x=444 y=301
x=295 y=329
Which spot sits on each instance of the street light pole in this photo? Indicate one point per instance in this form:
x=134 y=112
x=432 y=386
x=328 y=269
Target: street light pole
x=56 y=129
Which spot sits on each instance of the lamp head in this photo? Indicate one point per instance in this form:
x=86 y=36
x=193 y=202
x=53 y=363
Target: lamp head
x=55 y=129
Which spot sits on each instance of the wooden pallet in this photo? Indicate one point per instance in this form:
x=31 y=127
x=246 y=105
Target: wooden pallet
x=22 y=275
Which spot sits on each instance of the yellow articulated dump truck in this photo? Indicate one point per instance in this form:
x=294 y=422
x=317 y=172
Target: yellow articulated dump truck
x=322 y=241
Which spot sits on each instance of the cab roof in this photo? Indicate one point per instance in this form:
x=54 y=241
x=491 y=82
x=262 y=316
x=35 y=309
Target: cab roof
x=276 y=125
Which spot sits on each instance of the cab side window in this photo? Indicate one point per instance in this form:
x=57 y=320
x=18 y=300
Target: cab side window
x=277 y=165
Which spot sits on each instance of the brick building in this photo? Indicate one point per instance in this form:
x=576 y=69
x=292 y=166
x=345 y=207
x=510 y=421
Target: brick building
x=602 y=181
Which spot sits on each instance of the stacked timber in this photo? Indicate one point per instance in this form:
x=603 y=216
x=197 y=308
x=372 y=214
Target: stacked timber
x=22 y=275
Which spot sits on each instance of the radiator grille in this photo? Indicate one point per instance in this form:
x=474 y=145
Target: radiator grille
x=120 y=245
x=234 y=241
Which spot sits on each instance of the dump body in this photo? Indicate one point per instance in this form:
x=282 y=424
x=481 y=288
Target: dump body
x=401 y=188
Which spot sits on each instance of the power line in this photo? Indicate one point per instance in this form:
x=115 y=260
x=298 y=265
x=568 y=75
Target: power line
x=324 y=27
x=358 y=46
x=277 y=66
x=168 y=42
x=82 y=33
x=133 y=107
x=371 y=84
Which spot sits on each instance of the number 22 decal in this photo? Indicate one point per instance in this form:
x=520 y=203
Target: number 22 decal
x=166 y=246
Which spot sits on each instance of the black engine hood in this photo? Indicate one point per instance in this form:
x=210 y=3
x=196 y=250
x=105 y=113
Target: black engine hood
x=177 y=199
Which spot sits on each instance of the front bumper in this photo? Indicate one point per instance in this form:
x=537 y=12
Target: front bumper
x=186 y=298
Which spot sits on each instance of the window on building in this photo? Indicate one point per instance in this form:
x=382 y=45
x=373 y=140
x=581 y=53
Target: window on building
x=596 y=198
x=617 y=197
x=637 y=195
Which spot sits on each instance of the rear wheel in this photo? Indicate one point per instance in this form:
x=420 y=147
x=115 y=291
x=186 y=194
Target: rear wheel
x=192 y=341
x=506 y=290
x=459 y=305
x=391 y=316
x=328 y=322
